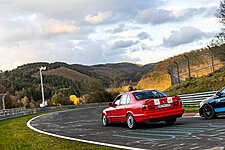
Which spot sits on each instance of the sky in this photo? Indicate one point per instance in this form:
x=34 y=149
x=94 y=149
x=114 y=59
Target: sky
x=92 y=32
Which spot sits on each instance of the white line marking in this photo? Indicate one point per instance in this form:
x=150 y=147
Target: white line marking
x=79 y=140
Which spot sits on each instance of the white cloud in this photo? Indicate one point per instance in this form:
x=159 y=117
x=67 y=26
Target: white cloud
x=54 y=26
x=36 y=27
x=100 y=17
x=144 y=35
x=183 y=36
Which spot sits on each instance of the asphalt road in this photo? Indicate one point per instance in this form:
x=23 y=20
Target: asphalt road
x=188 y=133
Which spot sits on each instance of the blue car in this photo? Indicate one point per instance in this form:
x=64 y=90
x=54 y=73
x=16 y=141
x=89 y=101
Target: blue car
x=214 y=106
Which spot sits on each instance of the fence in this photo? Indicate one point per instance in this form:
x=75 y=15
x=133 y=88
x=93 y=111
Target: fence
x=196 y=98
x=196 y=64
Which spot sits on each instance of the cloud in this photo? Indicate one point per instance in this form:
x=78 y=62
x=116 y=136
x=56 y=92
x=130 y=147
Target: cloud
x=75 y=32
x=120 y=28
x=159 y=16
x=143 y=35
x=36 y=27
x=183 y=36
x=154 y=16
x=123 y=44
x=100 y=17
x=54 y=26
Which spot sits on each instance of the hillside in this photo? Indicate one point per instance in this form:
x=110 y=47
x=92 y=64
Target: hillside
x=212 y=82
x=24 y=81
x=63 y=72
x=134 y=77
x=158 y=77
x=107 y=69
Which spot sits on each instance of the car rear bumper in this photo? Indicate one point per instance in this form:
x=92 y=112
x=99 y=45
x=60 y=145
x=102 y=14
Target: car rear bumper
x=160 y=115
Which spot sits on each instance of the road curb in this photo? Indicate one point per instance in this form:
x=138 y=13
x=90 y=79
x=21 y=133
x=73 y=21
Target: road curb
x=191 y=115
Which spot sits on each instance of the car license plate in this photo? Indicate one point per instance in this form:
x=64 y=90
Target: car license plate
x=163 y=105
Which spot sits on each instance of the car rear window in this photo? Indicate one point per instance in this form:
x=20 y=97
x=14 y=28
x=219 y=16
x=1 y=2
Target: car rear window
x=142 y=95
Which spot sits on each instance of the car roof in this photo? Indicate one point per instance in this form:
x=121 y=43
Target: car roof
x=140 y=91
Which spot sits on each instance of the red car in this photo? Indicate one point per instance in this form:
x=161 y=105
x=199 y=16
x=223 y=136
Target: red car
x=143 y=105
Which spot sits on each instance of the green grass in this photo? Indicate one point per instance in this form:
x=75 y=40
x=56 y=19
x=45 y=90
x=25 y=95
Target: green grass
x=191 y=109
x=14 y=134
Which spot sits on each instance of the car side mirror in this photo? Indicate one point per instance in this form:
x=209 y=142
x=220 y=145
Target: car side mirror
x=110 y=104
x=218 y=94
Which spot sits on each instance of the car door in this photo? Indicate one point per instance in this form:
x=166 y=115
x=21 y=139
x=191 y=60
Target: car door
x=220 y=101
x=121 y=111
x=114 y=112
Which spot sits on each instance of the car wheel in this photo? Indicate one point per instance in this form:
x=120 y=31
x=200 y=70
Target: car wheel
x=105 y=120
x=171 y=121
x=131 y=121
x=208 y=112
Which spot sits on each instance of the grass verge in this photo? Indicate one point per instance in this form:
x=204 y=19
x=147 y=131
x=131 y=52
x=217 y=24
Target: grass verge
x=191 y=109
x=14 y=134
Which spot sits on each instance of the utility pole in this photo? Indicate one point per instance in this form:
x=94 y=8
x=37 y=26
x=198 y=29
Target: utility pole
x=3 y=100
x=44 y=103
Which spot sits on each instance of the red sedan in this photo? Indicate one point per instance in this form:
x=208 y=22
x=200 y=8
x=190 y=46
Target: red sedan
x=143 y=105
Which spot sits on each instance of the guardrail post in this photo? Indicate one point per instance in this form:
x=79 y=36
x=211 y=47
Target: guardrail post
x=211 y=54
x=189 y=70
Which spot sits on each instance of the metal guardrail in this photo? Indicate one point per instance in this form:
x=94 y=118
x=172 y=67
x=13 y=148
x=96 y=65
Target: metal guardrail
x=17 y=112
x=188 y=99
x=196 y=98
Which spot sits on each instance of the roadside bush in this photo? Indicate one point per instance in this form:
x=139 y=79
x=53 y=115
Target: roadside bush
x=96 y=93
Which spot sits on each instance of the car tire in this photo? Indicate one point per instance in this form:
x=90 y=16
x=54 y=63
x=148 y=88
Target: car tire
x=170 y=121
x=105 y=121
x=131 y=123
x=208 y=112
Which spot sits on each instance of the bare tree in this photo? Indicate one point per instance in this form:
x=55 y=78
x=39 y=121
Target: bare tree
x=221 y=15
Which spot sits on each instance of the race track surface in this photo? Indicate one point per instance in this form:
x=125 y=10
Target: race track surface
x=187 y=133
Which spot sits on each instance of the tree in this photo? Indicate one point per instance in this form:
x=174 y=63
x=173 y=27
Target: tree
x=74 y=99
x=59 y=99
x=94 y=92
x=25 y=102
x=221 y=15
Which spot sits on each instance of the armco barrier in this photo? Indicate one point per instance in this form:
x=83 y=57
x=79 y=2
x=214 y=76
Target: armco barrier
x=196 y=98
x=16 y=112
x=188 y=99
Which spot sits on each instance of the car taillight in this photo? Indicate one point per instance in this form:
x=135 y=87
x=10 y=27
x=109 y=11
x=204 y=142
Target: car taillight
x=176 y=104
x=151 y=107
x=147 y=107
x=177 y=101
